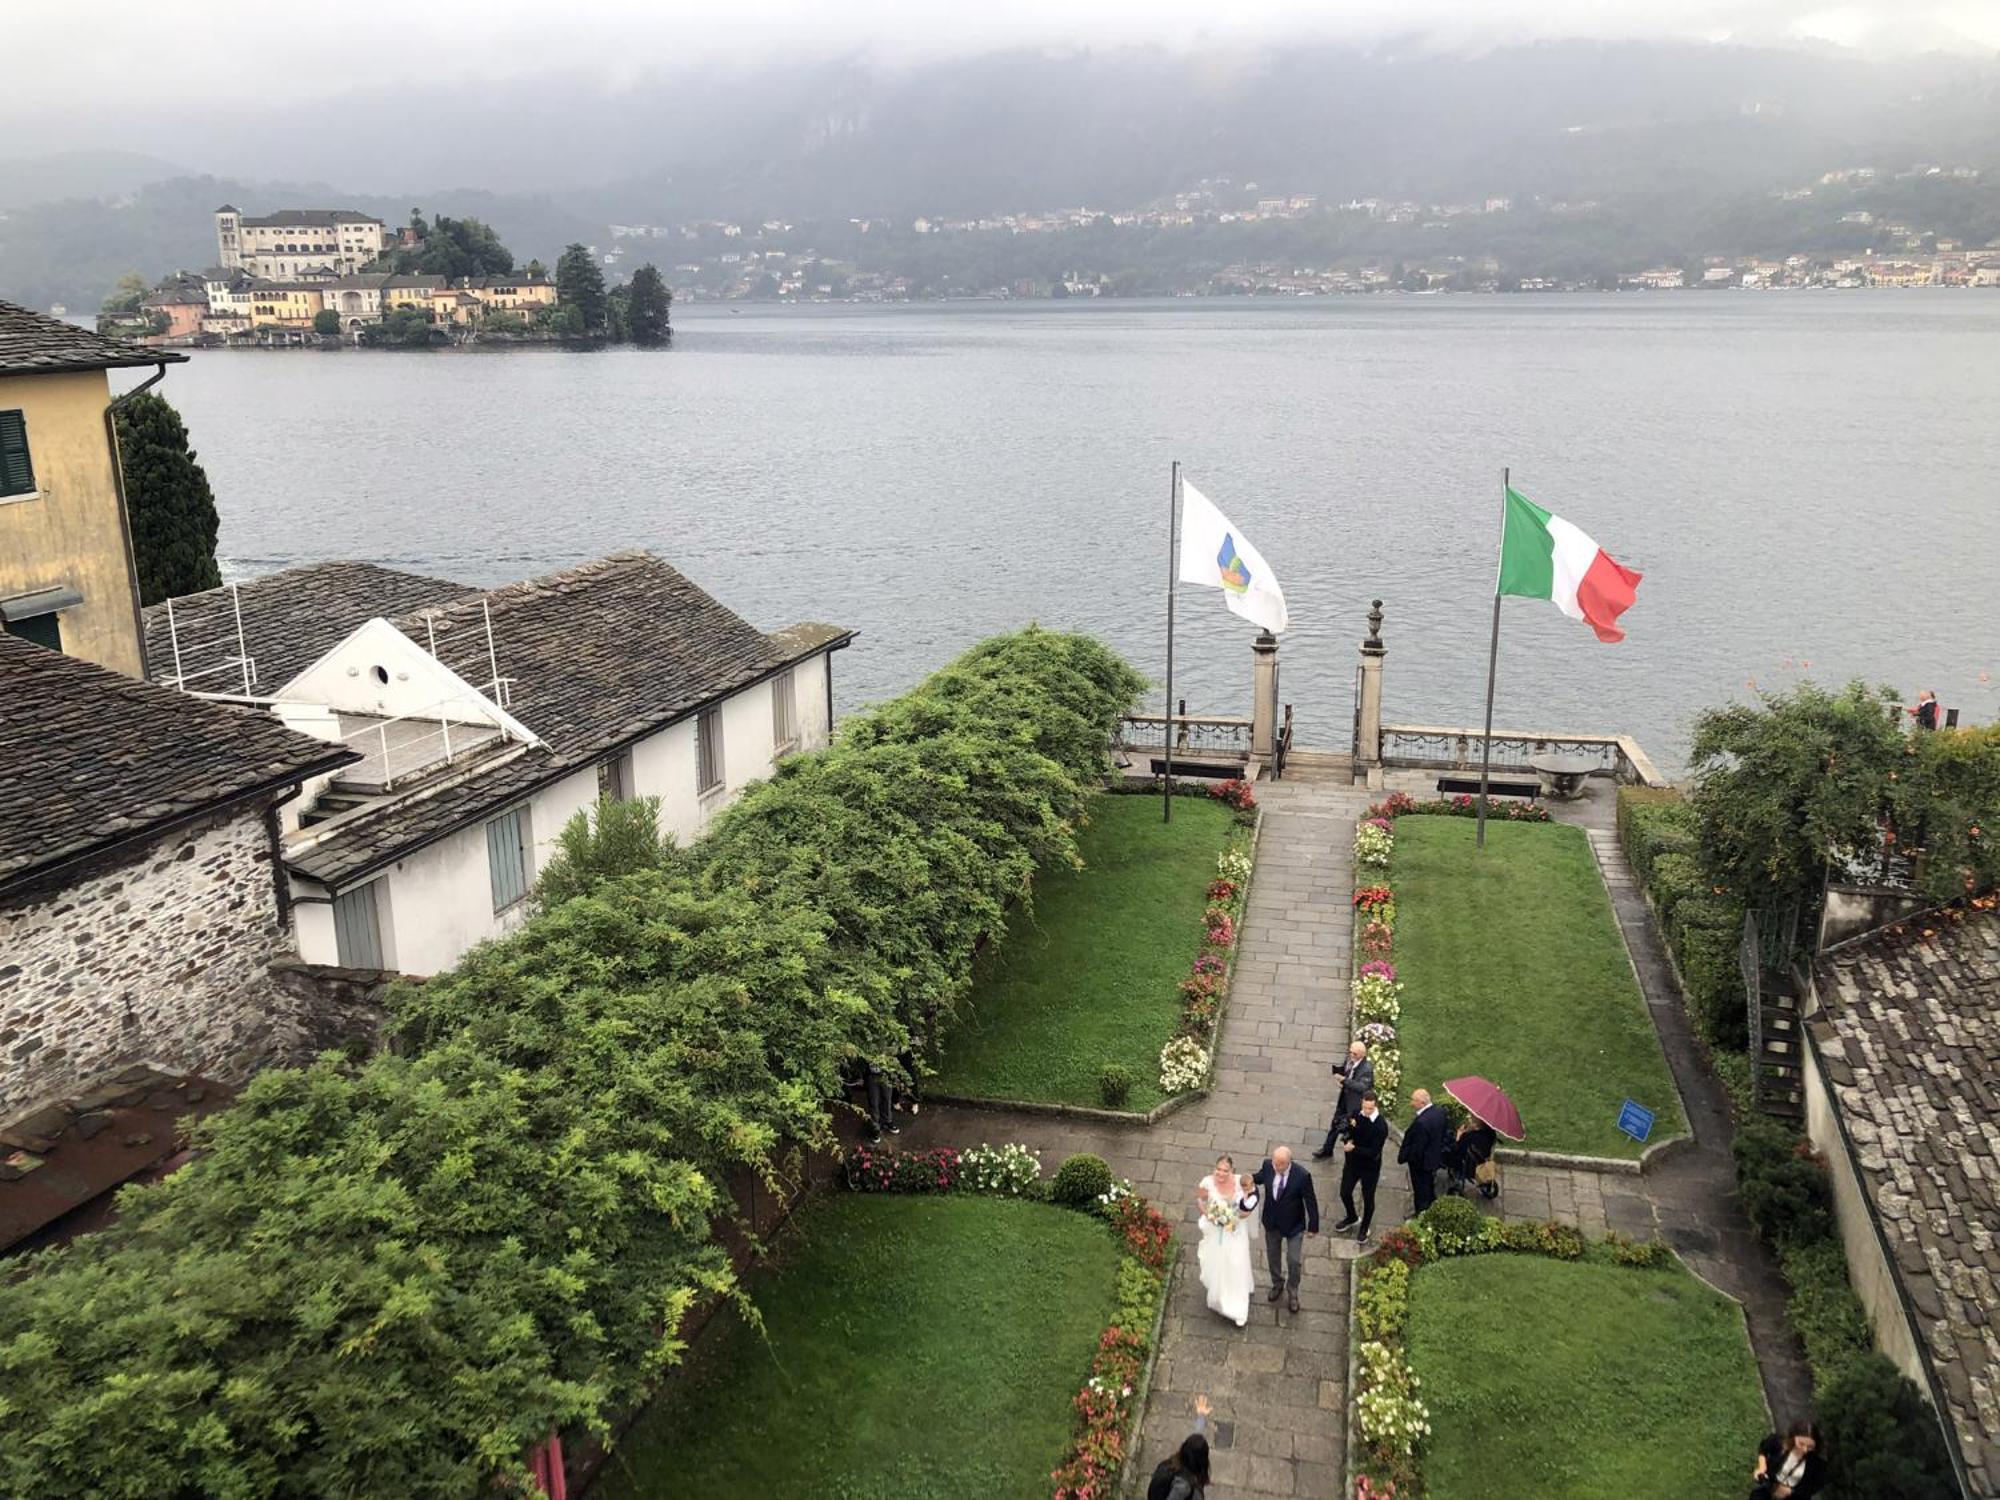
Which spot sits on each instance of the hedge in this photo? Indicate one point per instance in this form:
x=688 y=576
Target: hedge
x=394 y=1278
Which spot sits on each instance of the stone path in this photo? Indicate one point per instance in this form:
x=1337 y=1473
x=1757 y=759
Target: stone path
x=1279 y=1386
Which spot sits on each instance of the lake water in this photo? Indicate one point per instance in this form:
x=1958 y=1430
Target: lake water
x=1803 y=478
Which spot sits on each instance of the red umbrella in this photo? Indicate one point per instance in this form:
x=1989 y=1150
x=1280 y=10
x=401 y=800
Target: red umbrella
x=1490 y=1102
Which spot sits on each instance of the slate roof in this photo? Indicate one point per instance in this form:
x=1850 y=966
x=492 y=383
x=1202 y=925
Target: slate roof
x=90 y=759
x=31 y=344
x=598 y=655
x=1909 y=1039
x=308 y=218
x=290 y=620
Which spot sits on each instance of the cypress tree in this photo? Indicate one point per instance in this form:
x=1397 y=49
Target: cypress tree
x=580 y=283
x=174 y=523
x=646 y=314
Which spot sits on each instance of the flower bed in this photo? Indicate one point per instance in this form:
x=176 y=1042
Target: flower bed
x=1464 y=805
x=1404 y=1424
x=1186 y=1058
x=1107 y=1404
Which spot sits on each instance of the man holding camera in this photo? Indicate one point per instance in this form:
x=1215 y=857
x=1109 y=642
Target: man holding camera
x=1357 y=1077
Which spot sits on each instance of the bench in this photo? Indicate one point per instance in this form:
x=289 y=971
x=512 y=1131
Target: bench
x=1494 y=788
x=1200 y=769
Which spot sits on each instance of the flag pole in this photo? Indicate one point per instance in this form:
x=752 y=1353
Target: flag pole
x=1492 y=663
x=1173 y=560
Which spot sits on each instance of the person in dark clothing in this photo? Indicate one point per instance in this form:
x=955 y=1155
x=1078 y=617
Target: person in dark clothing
x=1927 y=713
x=1789 y=1467
x=1423 y=1150
x=1473 y=1145
x=881 y=1102
x=1357 y=1076
x=1366 y=1132
x=1184 y=1476
x=1291 y=1212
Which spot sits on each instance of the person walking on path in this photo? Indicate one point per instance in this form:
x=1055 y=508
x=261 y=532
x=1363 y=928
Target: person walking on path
x=1183 y=1475
x=1356 y=1076
x=1423 y=1150
x=1788 y=1466
x=1291 y=1212
x=1366 y=1131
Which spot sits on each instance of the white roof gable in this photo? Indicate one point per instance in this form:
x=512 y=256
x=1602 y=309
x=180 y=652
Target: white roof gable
x=379 y=671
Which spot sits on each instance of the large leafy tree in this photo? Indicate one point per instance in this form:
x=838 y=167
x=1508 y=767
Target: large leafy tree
x=580 y=284
x=174 y=523
x=647 y=307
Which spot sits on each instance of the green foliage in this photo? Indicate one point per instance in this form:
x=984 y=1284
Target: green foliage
x=450 y=247
x=1114 y=1085
x=1138 y=1296
x=1677 y=879
x=394 y=1278
x=647 y=307
x=326 y=322
x=1882 y=1436
x=1712 y=983
x=1630 y=1252
x=1783 y=783
x=1543 y=1237
x=1823 y=1309
x=580 y=284
x=1382 y=1301
x=1947 y=802
x=125 y=297
x=172 y=509
x=614 y=839
x=1452 y=1226
x=1081 y=1180
x=402 y=328
x=1784 y=1192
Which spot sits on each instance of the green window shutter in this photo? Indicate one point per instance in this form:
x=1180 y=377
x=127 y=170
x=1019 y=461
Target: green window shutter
x=17 y=474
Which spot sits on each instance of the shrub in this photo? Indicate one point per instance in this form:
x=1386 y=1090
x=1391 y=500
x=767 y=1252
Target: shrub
x=870 y=1170
x=1823 y=1308
x=1676 y=878
x=1382 y=1301
x=1233 y=865
x=1882 y=1436
x=1712 y=984
x=1652 y=821
x=1452 y=1226
x=1544 y=1237
x=1373 y=843
x=1376 y=998
x=1784 y=1192
x=1183 y=1065
x=1398 y=1244
x=1138 y=1296
x=1393 y=1420
x=1011 y=1170
x=1080 y=1180
x=1114 y=1085
x=1147 y=1233
x=1628 y=1252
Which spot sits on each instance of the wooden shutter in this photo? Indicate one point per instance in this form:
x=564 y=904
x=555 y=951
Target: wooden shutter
x=17 y=474
x=507 y=857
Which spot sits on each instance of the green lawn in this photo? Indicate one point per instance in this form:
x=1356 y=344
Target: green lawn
x=1548 y=1377
x=1514 y=969
x=917 y=1347
x=1092 y=974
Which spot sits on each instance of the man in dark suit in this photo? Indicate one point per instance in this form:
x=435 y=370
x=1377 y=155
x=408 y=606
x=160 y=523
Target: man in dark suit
x=1366 y=1131
x=1423 y=1150
x=1357 y=1076
x=1291 y=1212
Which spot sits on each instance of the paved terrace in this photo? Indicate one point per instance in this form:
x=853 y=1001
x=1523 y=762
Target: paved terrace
x=1280 y=1385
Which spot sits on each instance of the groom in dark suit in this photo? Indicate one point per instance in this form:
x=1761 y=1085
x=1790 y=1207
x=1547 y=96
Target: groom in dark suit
x=1291 y=1212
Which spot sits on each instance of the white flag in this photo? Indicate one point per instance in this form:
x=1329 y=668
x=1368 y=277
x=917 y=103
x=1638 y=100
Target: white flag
x=1215 y=553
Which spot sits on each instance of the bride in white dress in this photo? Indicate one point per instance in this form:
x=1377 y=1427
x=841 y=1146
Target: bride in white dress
x=1228 y=1207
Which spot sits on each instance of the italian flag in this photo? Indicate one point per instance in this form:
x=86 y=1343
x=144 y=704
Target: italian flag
x=1545 y=557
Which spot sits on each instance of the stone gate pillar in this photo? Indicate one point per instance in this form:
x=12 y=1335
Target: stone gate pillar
x=1368 y=704
x=1264 y=699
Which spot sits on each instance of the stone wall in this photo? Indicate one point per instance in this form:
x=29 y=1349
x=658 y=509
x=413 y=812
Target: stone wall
x=160 y=957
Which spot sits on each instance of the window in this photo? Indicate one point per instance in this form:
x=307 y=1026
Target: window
x=614 y=777
x=357 y=928
x=43 y=630
x=708 y=752
x=507 y=857
x=784 y=711
x=17 y=474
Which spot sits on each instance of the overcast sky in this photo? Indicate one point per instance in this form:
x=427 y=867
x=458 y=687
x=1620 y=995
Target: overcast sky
x=83 y=53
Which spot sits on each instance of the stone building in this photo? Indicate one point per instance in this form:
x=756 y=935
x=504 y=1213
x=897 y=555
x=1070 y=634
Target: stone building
x=67 y=578
x=140 y=897
x=297 y=242
x=486 y=720
x=1902 y=1069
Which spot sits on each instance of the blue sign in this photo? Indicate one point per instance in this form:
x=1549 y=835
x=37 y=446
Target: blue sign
x=1635 y=1120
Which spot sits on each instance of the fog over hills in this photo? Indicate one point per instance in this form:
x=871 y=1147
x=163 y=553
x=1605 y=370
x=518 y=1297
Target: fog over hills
x=1680 y=127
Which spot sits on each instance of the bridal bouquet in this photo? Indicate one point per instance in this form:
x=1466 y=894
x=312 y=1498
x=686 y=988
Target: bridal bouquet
x=1220 y=1212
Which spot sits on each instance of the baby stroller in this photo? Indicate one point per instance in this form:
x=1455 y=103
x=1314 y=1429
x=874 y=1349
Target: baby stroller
x=1469 y=1164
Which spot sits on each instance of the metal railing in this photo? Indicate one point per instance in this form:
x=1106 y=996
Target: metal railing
x=1199 y=737
x=1456 y=749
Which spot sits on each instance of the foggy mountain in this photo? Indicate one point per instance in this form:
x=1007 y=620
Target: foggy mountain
x=1682 y=128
